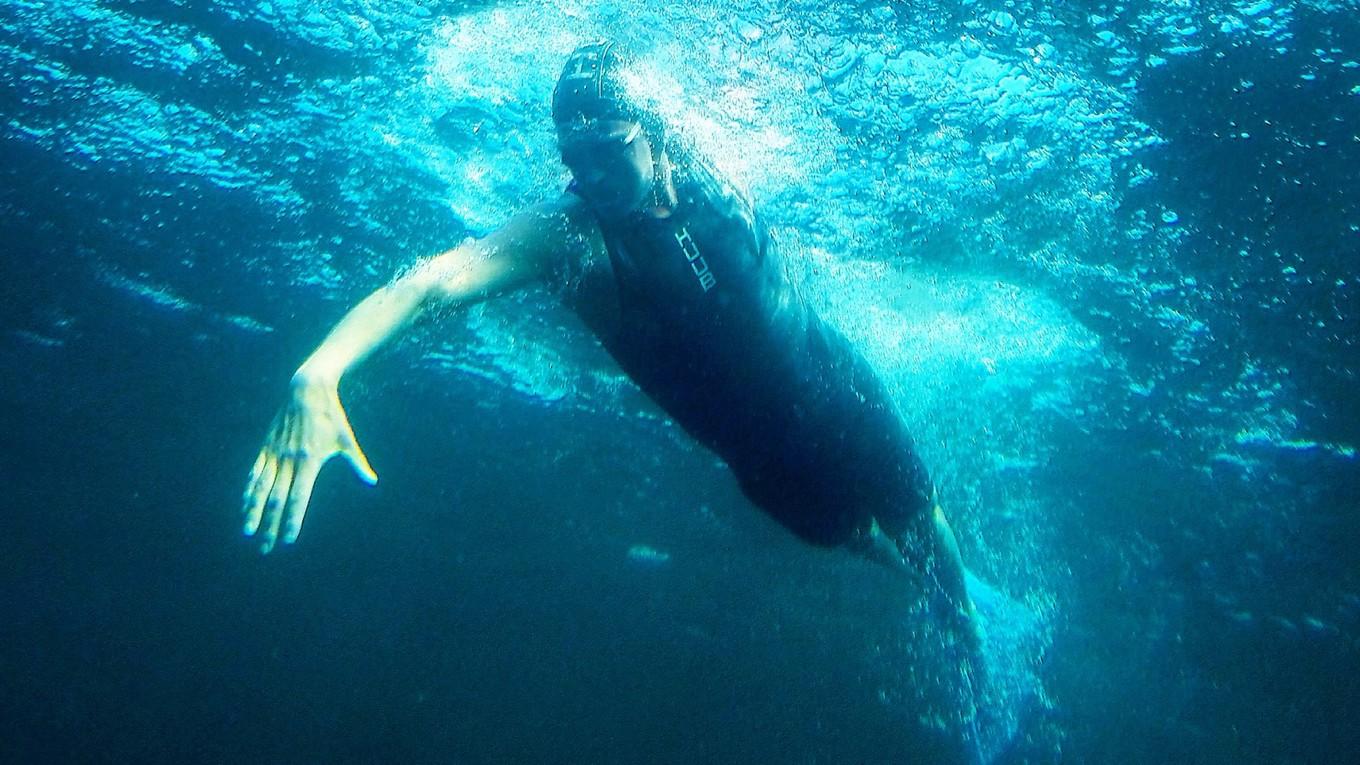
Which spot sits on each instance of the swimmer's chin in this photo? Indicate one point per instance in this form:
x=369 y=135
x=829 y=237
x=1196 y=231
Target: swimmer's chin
x=616 y=205
x=615 y=209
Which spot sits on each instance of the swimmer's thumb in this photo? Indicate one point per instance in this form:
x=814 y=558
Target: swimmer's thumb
x=359 y=462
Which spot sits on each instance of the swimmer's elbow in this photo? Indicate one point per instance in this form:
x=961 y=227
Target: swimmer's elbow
x=520 y=252
x=474 y=272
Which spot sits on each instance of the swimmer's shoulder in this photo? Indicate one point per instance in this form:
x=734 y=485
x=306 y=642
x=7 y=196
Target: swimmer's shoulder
x=563 y=234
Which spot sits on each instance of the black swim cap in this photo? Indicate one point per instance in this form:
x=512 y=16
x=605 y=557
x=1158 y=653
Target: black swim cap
x=589 y=89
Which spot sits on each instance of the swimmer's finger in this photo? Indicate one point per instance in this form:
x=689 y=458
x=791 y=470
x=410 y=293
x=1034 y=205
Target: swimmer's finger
x=273 y=507
x=253 y=482
x=257 y=492
x=349 y=447
x=256 y=470
x=299 y=496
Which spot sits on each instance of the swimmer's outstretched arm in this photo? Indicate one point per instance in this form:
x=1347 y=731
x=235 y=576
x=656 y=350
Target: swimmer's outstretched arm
x=312 y=427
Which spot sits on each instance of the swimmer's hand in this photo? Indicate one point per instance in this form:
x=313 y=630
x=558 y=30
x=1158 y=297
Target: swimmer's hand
x=309 y=430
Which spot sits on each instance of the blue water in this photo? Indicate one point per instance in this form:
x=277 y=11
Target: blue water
x=1106 y=256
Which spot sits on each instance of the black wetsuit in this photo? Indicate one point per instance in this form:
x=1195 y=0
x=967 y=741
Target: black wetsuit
x=708 y=325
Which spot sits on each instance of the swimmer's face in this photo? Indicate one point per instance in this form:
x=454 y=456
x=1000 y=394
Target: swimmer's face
x=611 y=161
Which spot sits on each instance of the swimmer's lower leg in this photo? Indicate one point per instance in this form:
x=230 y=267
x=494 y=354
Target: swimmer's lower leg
x=949 y=563
x=875 y=544
x=927 y=554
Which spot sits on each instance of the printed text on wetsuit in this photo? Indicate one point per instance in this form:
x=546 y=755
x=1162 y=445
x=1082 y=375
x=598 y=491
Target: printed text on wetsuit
x=696 y=261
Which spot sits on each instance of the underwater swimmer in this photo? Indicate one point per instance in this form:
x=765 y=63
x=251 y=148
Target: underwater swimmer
x=674 y=272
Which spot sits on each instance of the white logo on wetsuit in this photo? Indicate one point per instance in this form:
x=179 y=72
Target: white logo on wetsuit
x=696 y=261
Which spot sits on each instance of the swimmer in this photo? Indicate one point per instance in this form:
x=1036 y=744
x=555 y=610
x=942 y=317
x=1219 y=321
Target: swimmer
x=673 y=270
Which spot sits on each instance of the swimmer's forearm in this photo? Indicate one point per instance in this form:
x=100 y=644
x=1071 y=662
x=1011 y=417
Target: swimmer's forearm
x=367 y=327
x=514 y=254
